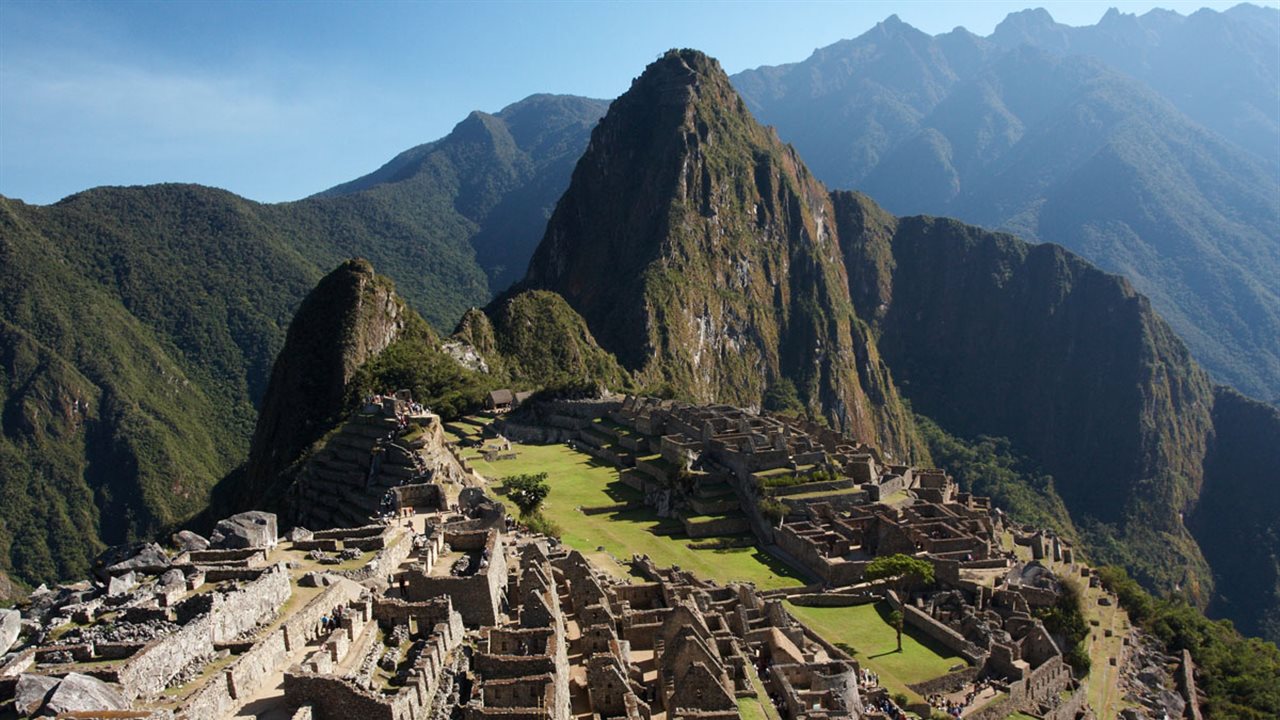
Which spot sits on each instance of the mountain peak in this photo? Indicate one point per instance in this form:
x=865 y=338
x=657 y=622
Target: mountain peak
x=700 y=251
x=351 y=316
x=1026 y=26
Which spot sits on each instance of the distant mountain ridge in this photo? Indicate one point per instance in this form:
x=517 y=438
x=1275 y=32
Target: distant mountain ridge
x=141 y=324
x=1016 y=132
x=494 y=177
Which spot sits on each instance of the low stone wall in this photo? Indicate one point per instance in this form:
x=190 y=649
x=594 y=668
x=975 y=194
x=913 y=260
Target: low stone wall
x=616 y=507
x=604 y=455
x=947 y=683
x=834 y=599
x=239 y=681
x=386 y=561
x=533 y=434
x=1073 y=706
x=244 y=556
x=150 y=670
x=333 y=698
x=949 y=638
x=303 y=626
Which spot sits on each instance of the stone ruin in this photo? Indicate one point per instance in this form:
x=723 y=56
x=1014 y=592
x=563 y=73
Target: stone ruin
x=437 y=609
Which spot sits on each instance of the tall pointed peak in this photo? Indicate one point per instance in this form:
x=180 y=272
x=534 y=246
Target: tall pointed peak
x=700 y=251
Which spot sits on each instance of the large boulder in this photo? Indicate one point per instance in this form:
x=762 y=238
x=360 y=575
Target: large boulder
x=122 y=584
x=113 y=555
x=298 y=534
x=31 y=692
x=151 y=559
x=254 y=529
x=82 y=693
x=172 y=580
x=10 y=627
x=189 y=541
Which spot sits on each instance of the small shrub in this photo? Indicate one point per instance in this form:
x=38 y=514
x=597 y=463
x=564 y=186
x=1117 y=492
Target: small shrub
x=539 y=523
x=772 y=510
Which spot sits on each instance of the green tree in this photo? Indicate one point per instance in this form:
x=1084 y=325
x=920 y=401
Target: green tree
x=782 y=397
x=902 y=572
x=1066 y=619
x=527 y=492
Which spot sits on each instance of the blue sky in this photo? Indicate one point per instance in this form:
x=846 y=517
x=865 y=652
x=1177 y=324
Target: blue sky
x=278 y=100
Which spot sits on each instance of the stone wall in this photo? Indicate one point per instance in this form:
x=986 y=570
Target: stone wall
x=478 y=597
x=233 y=685
x=244 y=609
x=386 y=561
x=716 y=527
x=951 y=639
x=149 y=671
x=304 y=626
x=1069 y=710
x=333 y=698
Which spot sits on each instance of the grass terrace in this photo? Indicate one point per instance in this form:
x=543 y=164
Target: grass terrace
x=864 y=630
x=578 y=480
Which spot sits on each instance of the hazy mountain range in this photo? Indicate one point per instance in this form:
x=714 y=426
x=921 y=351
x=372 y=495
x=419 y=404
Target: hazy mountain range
x=1150 y=145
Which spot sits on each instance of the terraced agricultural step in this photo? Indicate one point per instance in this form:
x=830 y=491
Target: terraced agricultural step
x=701 y=526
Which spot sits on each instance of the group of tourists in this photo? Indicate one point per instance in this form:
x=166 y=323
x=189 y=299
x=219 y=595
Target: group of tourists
x=888 y=708
x=956 y=708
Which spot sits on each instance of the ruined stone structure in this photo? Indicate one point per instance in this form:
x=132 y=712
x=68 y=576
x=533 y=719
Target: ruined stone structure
x=387 y=453
x=441 y=609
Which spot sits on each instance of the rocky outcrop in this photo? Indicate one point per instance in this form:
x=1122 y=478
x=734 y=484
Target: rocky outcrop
x=537 y=340
x=10 y=627
x=701 y=251
x=349 y=317
x=254 y=529
x=82 y=693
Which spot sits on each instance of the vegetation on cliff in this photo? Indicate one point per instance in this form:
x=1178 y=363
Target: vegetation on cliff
x=989 y=467
x=1239 y=676
x=533 y=339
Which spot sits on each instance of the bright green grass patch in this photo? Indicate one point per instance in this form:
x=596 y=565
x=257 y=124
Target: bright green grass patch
x=749 y=708
x=866 y=629
x=578 y=480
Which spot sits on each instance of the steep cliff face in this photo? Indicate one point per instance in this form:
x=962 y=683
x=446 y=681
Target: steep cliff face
x=350 y=317
x=990 y=335
x=700 y=250
x=1237 y=520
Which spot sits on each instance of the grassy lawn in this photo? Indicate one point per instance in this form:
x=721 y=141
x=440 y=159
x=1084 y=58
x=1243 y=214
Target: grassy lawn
x=578 y=480
x=874 y=642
